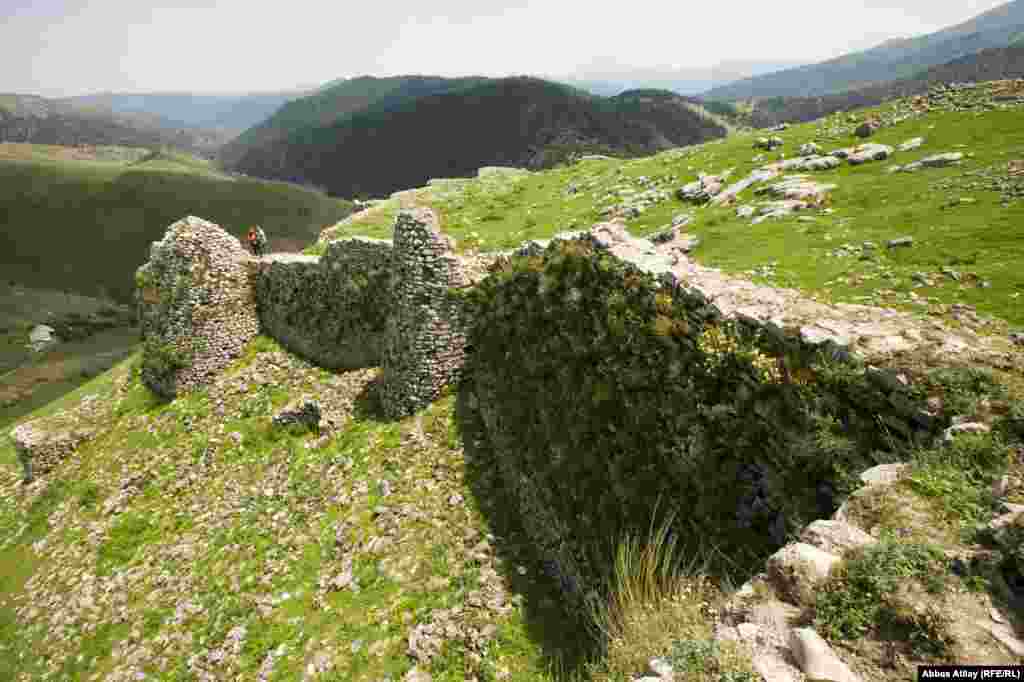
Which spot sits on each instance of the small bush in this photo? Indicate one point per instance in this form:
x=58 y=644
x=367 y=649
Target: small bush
x=861 y=596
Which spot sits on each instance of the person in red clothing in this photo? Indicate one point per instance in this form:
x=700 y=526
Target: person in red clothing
x=257 y=240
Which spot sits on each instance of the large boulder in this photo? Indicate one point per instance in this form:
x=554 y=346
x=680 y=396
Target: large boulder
x=42 y=444
x=867 y=128
x=869 y=152
x=42 y=337
x=197 y=306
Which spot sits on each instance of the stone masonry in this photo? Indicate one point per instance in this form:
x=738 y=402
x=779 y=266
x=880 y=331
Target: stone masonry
x=364 y=303
x=196 y=306
x=332 y=309
x=425 y=345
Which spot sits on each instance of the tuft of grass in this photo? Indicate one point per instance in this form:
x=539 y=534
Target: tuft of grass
x=659 y=605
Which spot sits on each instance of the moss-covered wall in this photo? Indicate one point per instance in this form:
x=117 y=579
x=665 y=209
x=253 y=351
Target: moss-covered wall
x=196 y=306
x=611 y=394
x=332 y=309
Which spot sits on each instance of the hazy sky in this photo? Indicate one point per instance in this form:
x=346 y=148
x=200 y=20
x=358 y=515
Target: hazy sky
x=70 y=47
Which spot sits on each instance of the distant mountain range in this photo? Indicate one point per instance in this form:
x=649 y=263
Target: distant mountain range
x=389 y=134
x=34 y=119
x=893 y=59
x=608 y=82
x=229 y=114
x=987 y=65
x=335 y=101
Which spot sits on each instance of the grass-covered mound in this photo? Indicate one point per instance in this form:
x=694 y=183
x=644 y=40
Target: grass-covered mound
x=613 y=399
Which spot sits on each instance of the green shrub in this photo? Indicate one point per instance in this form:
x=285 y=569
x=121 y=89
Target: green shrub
x=860 y=596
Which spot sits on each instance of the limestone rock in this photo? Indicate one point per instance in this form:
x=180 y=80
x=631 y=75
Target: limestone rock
x=869 y=152
x=911 y=144
x=817 y=659
x=867 y=128
x=934 y=161
x=41 y=337
x=703 y=188
x=809 y=149
x=835 y=537
x=797 y=568
x=884 y=474
x=304 y=411
x=768 y=143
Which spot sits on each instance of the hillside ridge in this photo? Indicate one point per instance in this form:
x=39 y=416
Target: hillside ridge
x=271 y=508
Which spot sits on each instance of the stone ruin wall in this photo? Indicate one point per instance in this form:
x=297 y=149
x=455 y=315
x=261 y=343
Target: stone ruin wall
x=332 y=309
x=364 y=303
x=425 y=345
x=196 y=306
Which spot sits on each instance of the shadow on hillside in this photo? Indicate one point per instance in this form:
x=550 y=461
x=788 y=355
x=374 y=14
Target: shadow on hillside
x=563 y=640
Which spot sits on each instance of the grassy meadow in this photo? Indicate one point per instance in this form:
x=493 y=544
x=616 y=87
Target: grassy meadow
x=84 y=221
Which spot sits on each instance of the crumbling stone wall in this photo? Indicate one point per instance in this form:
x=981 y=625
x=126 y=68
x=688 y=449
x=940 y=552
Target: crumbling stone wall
x=606 y=387
x=425 y=344
x=332 y=309
x=197 y=306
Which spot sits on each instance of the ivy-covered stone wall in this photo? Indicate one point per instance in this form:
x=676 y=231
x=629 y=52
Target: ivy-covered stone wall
x=613 y=395
x=197 y=307
x=331 y=309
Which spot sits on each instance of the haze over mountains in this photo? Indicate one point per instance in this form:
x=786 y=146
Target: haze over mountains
x=609 y=80
x=999 y=27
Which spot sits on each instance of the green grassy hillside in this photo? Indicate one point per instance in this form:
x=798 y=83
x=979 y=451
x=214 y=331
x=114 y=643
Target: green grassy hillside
x=530 y=123
x=192 y=540
x=963 y=218
x=85 y=224
x=334 y=103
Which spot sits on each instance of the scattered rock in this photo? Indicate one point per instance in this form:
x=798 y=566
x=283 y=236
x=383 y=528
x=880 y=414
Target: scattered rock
x=963 y=427
x=702 y=189
x=867 y=128
x=934 y=161
x=835 y=537
x=910 y=144
x=304 y=411
x=809 y=149
x=42 y=337
x=768 y=143
x=797 y=568
x=728 y=195
x=883 y=474
x=868 y=152
x=817 y=659
x=899 y=241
